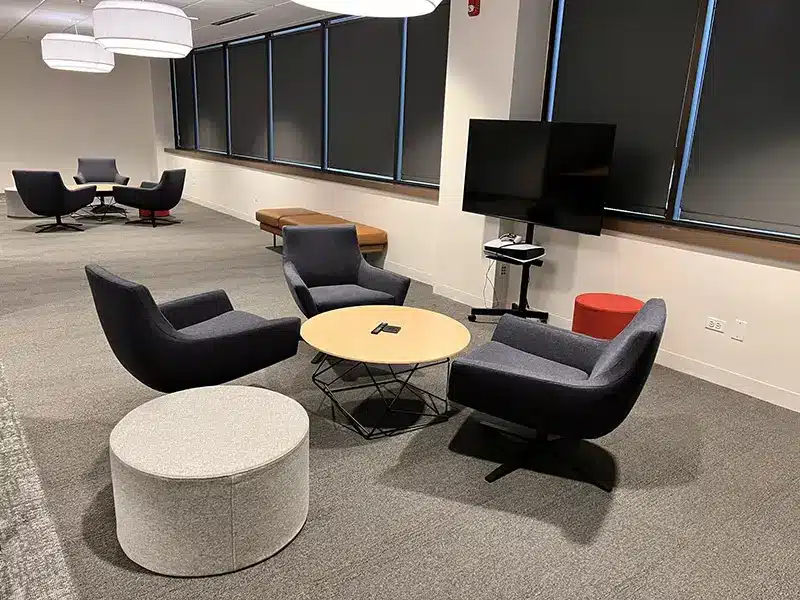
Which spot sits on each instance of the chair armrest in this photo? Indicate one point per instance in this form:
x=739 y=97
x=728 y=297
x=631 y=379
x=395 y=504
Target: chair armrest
x=383 y=281
x=121 y=179
x=195 y=309
x=299 y=289
x=75 y=199
x=553 y=343
x=79 y=179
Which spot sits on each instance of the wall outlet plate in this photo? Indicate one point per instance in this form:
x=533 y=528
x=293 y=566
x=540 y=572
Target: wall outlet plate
x=739 y=329
x=715 y=324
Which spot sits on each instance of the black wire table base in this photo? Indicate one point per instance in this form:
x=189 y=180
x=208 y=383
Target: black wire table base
x=434 y=409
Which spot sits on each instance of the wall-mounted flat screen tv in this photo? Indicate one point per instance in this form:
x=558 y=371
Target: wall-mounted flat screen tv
x=552 y=174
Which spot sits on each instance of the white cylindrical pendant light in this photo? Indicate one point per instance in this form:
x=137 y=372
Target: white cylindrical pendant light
x=142 y=28
x=374 y=8
x=72 y=52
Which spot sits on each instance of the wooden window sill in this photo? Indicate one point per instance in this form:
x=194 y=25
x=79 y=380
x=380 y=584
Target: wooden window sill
x=709 y=238
x=388 y=187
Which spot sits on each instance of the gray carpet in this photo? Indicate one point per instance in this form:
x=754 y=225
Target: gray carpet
x=707 y=503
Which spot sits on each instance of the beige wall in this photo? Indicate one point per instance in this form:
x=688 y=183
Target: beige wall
x=49 y=118
x=696 y=284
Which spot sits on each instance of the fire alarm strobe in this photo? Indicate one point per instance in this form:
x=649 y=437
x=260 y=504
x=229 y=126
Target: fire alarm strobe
x=474 y=8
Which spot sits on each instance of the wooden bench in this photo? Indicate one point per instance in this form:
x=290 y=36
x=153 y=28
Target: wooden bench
x=272 y=220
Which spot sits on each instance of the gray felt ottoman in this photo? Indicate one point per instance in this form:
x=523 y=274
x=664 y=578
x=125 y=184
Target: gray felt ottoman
x=14 y=206
x=210 y=480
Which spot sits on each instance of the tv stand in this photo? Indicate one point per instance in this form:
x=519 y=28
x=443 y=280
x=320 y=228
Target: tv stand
x=520 y=308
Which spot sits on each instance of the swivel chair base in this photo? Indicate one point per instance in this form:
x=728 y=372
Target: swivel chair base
x=153 y=220
x=536 y=445
x=59 y=224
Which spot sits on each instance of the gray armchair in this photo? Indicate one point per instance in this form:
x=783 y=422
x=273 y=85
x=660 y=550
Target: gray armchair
x=44 y=194
x=557 y=383
x=154 y=197
x=192 y=342
x=325 y=271
x=99 y=170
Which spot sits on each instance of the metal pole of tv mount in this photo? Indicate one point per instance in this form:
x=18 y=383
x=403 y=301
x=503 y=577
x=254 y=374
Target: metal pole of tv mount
x=521 y=308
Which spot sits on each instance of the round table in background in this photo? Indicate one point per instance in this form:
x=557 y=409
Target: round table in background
x=385 y=361
x=209 y=480
x=602 y=315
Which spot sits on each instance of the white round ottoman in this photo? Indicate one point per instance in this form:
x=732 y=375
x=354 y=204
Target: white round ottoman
x=210 y=480
x=15 y=208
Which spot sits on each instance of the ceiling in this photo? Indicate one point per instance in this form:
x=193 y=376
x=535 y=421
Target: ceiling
x=31 y=19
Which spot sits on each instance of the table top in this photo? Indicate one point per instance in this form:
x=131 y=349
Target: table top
x=425 y=336
x=209 y=432
x=105 y=188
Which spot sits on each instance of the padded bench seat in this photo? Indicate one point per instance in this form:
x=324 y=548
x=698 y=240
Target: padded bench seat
x=272 y=220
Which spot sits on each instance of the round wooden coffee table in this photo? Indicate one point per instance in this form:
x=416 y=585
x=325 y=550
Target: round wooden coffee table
x=387 y=361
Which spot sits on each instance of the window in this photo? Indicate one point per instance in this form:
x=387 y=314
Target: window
x=360 y=97
x=627 y=62
x=297 y=97
x=249 y=98
x=743 y=171
x=364 y=95
x=212 y=117
x=426 y=67
x=705 y=96
x=183 y=84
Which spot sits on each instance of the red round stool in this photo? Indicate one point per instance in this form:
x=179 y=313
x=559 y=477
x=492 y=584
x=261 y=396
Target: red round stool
x=603 y=315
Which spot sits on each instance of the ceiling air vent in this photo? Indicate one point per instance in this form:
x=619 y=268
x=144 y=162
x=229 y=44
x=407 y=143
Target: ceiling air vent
x=234 y=19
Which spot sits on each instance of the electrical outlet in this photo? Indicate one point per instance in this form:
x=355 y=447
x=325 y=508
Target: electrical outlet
x=503 y=270
x=739 y=329
x=715 y=324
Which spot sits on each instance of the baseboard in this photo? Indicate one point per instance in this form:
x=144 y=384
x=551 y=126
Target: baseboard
x=734 y=381
x=457 y=295
x=223 y=209
x=411 y=272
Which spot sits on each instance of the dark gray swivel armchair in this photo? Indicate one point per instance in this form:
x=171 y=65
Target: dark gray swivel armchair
x=99 y=170
x=191 y=342
x=556 y=382
x=154 y=197
x=325 y=271
x=44 y=193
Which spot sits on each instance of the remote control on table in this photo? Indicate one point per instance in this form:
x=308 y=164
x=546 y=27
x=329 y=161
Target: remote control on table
x=379 y=328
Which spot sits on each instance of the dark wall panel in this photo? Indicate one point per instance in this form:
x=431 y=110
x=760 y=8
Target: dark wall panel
x=211 y=100
x=184 y=93
x=426 y=71
x=626 y=62
x=248 y=70
x=365 y=58
x=297 y=97
x=744 y=163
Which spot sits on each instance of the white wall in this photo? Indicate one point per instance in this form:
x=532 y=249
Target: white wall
x=49 y=118
x=696 y=284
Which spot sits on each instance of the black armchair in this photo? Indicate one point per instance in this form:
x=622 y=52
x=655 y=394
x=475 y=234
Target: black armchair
x=153 y=197
x=558 y=383
x=192 y=342
x=99 y=170
x=44 y=193
x=325 y=270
